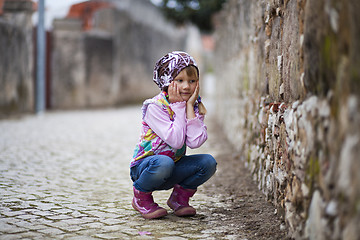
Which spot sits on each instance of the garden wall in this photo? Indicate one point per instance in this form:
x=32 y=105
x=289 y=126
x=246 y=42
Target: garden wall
x=288 y=87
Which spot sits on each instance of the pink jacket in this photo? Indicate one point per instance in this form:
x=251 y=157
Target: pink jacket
x=174 y=131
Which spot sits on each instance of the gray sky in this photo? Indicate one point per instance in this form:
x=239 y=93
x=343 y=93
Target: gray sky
x=59 y=9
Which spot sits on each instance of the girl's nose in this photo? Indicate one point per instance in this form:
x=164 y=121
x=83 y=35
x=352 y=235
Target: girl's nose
x=186 y=85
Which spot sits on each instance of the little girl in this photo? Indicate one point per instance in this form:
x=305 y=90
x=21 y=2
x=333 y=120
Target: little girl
x=172 y=120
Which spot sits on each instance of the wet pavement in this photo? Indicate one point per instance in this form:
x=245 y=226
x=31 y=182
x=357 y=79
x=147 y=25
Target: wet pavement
x=65 y=175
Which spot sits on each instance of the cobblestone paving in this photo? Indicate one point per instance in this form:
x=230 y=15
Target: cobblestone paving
x=65 y=175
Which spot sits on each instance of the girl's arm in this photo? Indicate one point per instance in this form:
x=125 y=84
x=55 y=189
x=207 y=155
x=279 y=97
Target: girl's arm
x=172 y=132
x=196 y=131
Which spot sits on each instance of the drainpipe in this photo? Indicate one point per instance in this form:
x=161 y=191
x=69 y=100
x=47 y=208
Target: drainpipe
x=40 y=66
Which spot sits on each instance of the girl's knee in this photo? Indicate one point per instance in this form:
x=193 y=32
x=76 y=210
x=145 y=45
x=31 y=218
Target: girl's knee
x=210 y=162
x=163 y=164
x=163 y=161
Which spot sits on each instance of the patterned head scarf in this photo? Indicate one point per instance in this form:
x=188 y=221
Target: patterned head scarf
x=169 y=66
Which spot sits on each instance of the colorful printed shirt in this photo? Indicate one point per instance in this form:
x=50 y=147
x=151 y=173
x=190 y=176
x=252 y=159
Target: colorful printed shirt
x=166 y=131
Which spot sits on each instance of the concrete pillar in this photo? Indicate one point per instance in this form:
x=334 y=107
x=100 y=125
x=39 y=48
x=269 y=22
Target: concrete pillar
x=16 y=58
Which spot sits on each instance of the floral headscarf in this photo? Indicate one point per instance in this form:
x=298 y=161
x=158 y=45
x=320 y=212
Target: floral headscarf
x=169 y=66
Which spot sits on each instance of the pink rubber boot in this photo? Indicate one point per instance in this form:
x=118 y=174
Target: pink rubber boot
x=179 y=201
x=144 y=203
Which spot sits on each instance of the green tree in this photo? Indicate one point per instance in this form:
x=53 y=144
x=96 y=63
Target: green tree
x=199 y=12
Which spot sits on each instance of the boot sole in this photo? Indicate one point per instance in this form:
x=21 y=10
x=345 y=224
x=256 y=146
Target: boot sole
x=185 y=212
x=159 y=213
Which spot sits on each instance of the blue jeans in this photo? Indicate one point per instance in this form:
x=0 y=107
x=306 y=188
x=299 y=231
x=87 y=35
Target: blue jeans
x=160 y=172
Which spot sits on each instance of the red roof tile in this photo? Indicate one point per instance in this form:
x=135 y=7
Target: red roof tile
x=85 y=11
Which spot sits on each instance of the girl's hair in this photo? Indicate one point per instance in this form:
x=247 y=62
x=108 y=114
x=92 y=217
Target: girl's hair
x=193 y=71
x=202 y=109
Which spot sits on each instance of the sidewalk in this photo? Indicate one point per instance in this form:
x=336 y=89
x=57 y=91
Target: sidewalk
x=65 y=175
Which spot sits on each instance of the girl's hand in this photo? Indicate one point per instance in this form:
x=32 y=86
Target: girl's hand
x=195 y=95
x=174 y=93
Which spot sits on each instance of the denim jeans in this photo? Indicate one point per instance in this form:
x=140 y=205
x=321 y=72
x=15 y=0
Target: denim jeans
x=160 y=172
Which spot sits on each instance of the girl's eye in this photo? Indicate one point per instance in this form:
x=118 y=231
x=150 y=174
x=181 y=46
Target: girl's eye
x=192 y=81
x=179 y=80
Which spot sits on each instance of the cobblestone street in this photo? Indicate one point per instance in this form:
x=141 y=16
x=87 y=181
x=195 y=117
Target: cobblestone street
x=65 y=175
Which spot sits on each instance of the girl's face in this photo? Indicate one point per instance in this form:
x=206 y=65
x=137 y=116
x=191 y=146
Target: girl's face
x=186 y=83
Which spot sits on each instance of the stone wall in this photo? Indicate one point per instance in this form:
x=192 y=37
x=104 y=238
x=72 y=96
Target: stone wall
x=112 y=63
x=139 y=46
x=82 y=67
x=288 y=88
x=16 y=58
x=68 y=65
